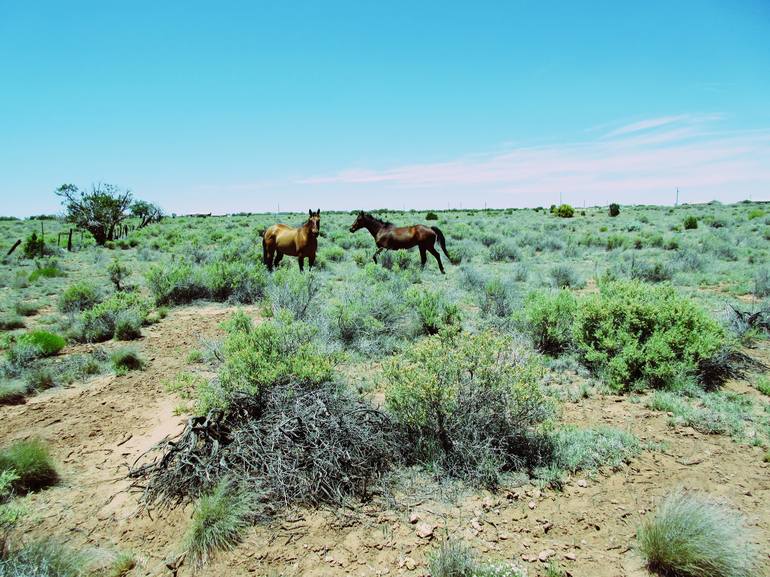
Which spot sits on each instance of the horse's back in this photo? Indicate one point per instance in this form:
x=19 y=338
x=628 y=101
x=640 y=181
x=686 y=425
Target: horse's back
x=283 y=238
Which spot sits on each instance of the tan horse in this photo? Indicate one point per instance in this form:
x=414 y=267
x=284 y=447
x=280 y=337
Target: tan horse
x=389 y=236
x=301 y=242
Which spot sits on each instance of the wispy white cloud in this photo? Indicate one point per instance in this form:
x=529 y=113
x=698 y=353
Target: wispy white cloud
x=634 y=163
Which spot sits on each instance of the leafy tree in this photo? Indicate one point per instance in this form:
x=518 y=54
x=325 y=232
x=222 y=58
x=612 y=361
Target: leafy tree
x=100 y=211
x=147 y=212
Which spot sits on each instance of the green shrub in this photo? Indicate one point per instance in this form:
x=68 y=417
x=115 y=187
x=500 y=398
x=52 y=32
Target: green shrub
x=762 y=384
x=34 y=345
x=548 y=319
x=504 y=251
x=78 y=297
x=12 y=392
x=564 y=276
x=32 y=464
x=565 y=211
x=118 y=273
x=431 y=216
x=709 y=413
x=218 y=523
x=25 y=309
x=9 y=323
x=33 y=247
x=40 y=379
x=433 y=311
x=614 y=209
x=469 y=403
x=690 y=222
x=293 y=292
x=128 y=325
x=126 y=359
x=332 y=253
x=99 y=323
x=259 y=357
x=496 y=298
x=641 y=335
x=176 y=283
x=756 y=213
x=692 y=535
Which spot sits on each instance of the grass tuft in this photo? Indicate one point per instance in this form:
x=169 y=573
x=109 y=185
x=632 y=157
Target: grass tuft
x=692 y=535
x=126 y=359
x=219 y=520
x=31 y=462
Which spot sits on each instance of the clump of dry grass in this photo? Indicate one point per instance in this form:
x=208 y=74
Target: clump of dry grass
x=693 y=535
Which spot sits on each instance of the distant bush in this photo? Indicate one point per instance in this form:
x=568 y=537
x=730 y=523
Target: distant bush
x=504 y=251
x=690 y=222
x=220 y=280
x=614 y=209
x=470 y=403
x=756 y=213
x=548 y=319
x=47 y=269
x=78 y=297
x=564 y=276
x=32 y=464
x=650 y=271
x=118 y=273
x=692 y=535
x=564 y=211
x=431 y=216
x=9 y=323
x=433 y=311
x=33 y=247
x=124 y=360
x=641 y=335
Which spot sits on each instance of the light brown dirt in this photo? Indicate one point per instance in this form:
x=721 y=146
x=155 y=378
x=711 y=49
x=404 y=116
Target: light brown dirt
x=96 y=429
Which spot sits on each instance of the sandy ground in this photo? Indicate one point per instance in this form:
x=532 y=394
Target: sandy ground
x=99 y=427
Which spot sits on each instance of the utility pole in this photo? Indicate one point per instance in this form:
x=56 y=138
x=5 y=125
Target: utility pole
x=677 y=197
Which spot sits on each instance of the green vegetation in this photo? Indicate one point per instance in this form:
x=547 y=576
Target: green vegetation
x=32 y=464
x=218 y=522
x=691 y=535
x=78 y=297
x=126 y=359
x=471 y=404
x=44 y=558
x=455 y=559
x=638 y=336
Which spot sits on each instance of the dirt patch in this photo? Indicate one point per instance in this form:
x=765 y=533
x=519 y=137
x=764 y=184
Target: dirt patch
x=97 y=429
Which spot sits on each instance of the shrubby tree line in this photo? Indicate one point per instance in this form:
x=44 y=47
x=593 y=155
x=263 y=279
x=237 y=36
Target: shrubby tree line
x=104 y=208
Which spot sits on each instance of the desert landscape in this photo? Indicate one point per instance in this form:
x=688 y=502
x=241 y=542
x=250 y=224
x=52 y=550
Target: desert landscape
x=530 y=412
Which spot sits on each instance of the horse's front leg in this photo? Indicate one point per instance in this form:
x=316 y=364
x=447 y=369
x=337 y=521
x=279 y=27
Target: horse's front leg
x=379 y=250
x=301 y=261
x=311 y=261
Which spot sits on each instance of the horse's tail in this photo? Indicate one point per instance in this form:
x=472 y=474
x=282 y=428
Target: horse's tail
x=441 y=239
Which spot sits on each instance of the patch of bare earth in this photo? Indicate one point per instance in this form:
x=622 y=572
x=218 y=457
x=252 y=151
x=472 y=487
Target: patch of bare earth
x=98 y=428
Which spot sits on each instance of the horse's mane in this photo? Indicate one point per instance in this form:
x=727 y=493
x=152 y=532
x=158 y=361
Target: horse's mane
x=379 y=220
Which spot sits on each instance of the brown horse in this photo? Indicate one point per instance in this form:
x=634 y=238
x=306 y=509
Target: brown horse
x=387 y=235
x=301 y=242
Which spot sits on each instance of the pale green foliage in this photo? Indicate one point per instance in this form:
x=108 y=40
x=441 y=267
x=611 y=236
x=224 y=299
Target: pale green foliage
x=692 y=535
x=218 y=523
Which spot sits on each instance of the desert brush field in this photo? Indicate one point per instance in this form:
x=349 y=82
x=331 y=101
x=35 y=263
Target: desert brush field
x=585 y=392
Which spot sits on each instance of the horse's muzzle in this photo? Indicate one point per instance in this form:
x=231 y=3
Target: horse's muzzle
x=353 y=229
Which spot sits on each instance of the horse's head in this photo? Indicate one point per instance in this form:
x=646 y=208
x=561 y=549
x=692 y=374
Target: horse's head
x=360 y=221
x=314 y=222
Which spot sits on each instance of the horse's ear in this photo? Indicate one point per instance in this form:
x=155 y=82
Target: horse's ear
x=310 y=211
x=318 y=212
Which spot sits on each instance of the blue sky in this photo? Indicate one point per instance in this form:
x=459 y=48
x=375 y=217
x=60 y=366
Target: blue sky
x=237 y=106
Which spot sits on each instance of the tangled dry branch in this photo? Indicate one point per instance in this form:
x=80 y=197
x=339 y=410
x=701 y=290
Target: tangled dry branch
x=289 y=446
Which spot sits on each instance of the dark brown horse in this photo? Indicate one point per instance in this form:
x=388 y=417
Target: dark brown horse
x=389 y=236
x=301 y=242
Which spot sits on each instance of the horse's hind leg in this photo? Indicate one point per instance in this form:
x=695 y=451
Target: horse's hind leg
x=435 y=253
x=278 y=257
x=423 y=257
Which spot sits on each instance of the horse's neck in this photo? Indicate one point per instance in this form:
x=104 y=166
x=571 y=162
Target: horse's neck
x=305 y=232
x=374 y=227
